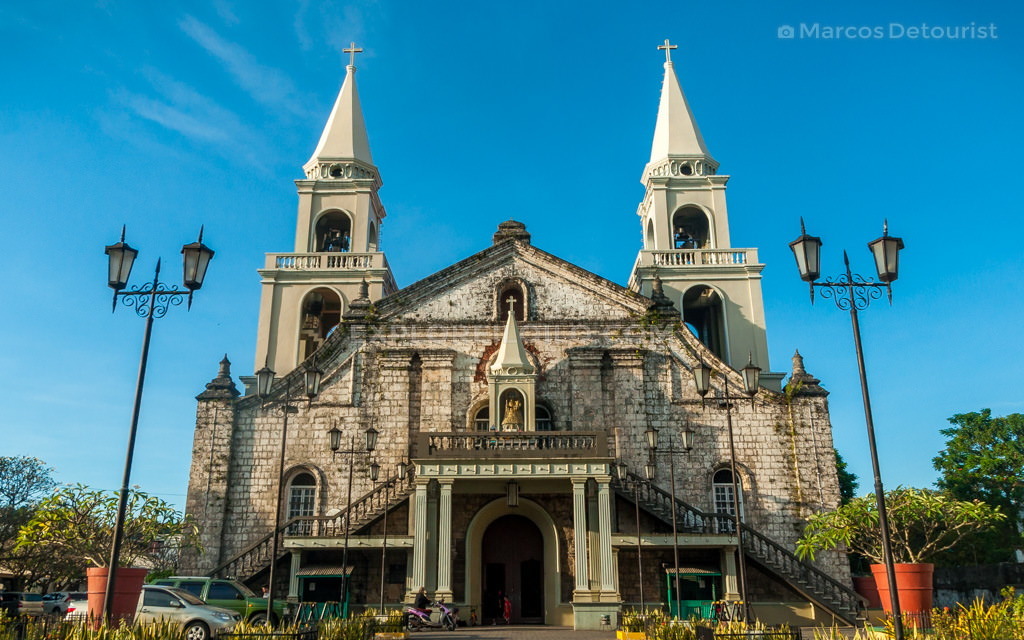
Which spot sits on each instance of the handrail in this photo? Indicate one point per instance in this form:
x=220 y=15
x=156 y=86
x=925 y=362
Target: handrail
x=242 y=563
x=521 y=444
x=359 y=512
x=804 y=577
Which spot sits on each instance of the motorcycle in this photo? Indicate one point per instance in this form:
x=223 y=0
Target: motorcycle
x=419 y=619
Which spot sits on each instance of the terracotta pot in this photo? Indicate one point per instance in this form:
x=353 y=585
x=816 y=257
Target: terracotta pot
x=127 y=590
x=865 y=586
x=913 y=584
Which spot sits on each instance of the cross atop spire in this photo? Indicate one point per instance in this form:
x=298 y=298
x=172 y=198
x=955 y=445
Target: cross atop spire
x=353 y=50
x=511 y=305
x=667 y=47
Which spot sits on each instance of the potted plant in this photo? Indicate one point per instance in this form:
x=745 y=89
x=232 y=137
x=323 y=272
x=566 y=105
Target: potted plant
x=77 y=523
x=922 y=523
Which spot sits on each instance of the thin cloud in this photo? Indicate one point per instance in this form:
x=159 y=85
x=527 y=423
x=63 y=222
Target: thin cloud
x=225 y=11
x=264 y=84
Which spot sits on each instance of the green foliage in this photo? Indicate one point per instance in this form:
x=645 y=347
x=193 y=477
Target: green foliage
x=984 y=460
x=847 y=480
x=922 y=523
x=24 y=482
x=77 y=523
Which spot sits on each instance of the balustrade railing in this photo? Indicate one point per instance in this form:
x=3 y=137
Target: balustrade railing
x=325 y=261
x=702 y=257
x=256 y=557
x=514 y=444
x=804 y=577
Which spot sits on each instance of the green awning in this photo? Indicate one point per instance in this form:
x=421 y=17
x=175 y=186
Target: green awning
x=324 y=572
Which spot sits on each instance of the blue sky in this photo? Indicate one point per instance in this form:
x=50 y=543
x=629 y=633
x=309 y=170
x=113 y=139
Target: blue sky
x=166 y=116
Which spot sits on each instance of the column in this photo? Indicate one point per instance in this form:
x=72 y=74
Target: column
x=293 y=578
x=419 y=544
x=579 y=521
x=444 y=541
x=729 y=575
x=604 y=511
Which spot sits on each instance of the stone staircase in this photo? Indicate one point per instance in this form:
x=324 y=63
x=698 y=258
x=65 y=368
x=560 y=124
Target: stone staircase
x=806 y=579
x=363 y=510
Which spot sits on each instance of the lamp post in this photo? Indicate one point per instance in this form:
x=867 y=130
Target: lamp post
x=623 y=472
x=751 y=380
x=150 y=301
x=374 y=470
x=685 y=446
x=851 y=292
x=312 y=376
x=334 y=436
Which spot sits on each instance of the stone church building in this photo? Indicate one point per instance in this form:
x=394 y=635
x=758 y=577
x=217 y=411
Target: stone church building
x=513 y=395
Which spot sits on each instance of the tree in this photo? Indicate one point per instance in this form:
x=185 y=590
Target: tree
x=922 y=523
x=984 y=460
x=847 y=480
x=77 y=524
x=24 y=481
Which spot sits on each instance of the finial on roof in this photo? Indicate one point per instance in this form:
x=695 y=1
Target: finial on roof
x=668 y=50
x=222 y=387
x=511 y=230
x=803 y=383
x=352 y=51
x=360 y=307
x=660 y=303
x=511 y=358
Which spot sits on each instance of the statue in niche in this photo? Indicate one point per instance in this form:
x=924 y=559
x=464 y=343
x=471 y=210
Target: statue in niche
x=513 y=418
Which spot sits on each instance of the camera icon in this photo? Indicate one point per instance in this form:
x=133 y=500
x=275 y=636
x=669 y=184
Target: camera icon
x=786 y=32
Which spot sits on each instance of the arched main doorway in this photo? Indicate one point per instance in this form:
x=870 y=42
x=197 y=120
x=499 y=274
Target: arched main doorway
x=512 y=555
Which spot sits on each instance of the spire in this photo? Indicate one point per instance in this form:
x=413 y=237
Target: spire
x=344 y=136
x=222 y=387
x=802 y=383
x=676 y=133
x=512 y=358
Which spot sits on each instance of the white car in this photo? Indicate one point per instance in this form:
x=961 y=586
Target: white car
x=57 y=603
x=198 y=620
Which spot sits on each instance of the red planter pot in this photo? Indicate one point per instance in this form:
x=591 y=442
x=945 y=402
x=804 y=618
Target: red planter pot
x=913 y=584
x=127 y=590
x=865 y=586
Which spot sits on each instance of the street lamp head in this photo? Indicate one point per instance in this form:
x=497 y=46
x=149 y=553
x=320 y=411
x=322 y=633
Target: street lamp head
x=264 y=382
x=121 y=258
x=887 y=255
x=371 y=439
x=374 y=471
x=649 y=470
x=686 y=439
x=312 y=377
x=702 y=376
x=334 y=436
x=652 y=437
x=621 y=469
x=196 y=259
x=807 y=250
x=402 y=469
x=751 y=376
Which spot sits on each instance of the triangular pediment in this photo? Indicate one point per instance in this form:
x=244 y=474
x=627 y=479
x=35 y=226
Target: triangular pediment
x=558 y=290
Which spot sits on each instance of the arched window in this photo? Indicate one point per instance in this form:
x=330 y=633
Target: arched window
x=333 y=232
x=724 y=500
x=543 y=418
x=649 y=235
x=321 y=313
x=482 y=419
x=704 y=316
x=373 y=241
x=513 y=291
x=690 y=229
x=301 y=502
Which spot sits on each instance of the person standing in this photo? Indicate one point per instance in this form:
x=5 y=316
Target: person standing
x=506 y=609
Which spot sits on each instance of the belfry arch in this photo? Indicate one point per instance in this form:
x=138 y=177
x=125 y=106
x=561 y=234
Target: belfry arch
x=321 y=312
x=704 y=315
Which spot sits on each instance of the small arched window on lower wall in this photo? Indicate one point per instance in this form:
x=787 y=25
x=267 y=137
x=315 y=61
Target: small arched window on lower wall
x=723 y=499
x=301 y=503
x=482 y=419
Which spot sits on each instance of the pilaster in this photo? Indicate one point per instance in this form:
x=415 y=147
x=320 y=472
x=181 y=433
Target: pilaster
x=579 y=521
x=420 y=544
x=444 y=541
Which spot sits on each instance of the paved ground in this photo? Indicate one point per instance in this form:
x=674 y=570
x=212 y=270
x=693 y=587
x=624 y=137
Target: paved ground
x=513 y=632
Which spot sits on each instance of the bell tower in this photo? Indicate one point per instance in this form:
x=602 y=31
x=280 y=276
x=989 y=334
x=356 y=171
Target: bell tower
x=685 y=227
x=337 y=241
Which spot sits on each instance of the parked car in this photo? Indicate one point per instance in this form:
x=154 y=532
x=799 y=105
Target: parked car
x=22 y=603
x=229 y=594
x=78 y=608
x=196 y=619
x=56 y=603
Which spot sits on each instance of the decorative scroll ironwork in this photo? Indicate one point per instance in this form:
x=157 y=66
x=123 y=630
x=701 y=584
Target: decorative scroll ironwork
x=146 y=301
x=851 y=290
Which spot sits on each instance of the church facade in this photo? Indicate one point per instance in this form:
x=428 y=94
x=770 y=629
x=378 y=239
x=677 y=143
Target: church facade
x=513 y=397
